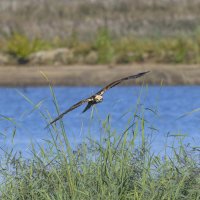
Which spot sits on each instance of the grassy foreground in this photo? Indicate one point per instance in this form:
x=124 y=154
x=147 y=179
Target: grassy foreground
x=116 y=166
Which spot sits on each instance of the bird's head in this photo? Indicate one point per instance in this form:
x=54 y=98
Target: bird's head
x=98 y=98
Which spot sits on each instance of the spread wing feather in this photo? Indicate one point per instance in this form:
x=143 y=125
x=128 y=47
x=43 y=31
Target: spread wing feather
x=101 y=92
x=109 y=86
x=70 y=109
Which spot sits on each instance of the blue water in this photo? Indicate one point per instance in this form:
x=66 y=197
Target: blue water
x=160 y=107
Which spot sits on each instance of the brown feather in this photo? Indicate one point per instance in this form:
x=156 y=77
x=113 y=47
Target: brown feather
x=109 y=86
x=88 y=106
x=70 y=109
x=101 y=92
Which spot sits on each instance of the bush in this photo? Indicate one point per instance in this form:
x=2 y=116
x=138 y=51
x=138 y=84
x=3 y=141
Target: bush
x=21 y=46
x=104 y=47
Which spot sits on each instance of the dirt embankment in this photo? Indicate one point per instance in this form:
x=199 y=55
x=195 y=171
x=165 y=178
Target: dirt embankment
x=76 y=75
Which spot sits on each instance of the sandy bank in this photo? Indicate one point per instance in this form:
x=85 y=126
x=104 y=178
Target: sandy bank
x=98 y=75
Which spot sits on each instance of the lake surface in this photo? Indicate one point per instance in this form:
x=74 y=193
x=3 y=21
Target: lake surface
x=160 y=107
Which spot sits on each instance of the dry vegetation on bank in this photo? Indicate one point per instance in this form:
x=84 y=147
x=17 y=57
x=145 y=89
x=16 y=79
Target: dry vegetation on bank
x=48 y=18
x=93 y=32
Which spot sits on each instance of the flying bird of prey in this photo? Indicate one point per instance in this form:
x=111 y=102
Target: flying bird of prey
x=98 y=97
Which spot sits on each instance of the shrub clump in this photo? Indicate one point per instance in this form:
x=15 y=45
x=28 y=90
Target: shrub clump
x=105 y=49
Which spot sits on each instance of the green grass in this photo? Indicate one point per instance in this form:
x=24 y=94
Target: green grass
x=104 y=49
x=20 y=47
x=117 y=166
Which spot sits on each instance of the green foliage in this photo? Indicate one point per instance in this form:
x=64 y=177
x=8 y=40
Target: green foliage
x=104 y=47
x=178 y=50
x=117 y=166
x=105 y=50
x=21 y=46
x=134 y=50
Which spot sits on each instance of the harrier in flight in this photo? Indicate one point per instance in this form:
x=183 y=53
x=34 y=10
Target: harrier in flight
x=98 y=97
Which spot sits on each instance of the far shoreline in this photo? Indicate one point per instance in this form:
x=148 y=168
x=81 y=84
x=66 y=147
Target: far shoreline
x=96 y=75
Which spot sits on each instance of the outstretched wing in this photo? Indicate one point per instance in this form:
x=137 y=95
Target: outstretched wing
x=68 y=110
x=101 y=92
x=107 y=87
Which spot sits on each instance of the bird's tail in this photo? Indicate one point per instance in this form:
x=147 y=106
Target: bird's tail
x=87 y=107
